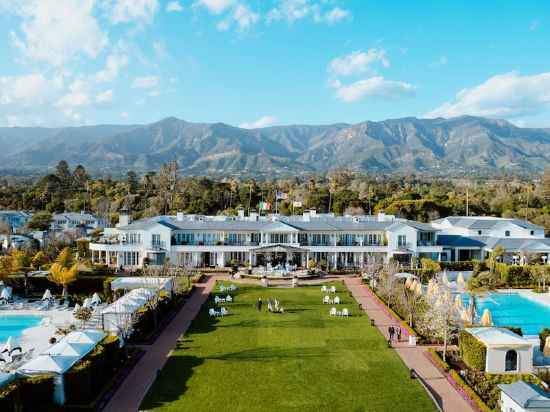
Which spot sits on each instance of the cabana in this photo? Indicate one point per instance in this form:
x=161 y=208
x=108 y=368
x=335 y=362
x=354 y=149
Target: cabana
x=507 y=352
x=117 y=315
x=61 y=357
x=156 y=283
x=521 y=396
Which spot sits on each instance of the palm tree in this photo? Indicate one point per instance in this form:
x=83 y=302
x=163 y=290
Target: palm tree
x=64 y=271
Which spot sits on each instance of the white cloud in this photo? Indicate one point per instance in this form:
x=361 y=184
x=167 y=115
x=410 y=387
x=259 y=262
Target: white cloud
x=29 y=90
x=55 y=32
x=104 y=97
x=78 y=96
x=154 y=93
x=242 y=16
x=125 y=11
x=294 y=10
x=264 y=121
x=357 y=62
x=160 y=49
x=375 y=86
x=505 y=95
x=215 y=6
x=146 y=82
x=174 y=6
x=336 y=15
x=124 y=115
x=114 y=63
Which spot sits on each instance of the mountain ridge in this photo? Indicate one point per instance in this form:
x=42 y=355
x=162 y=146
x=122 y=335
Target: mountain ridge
x=454 y=146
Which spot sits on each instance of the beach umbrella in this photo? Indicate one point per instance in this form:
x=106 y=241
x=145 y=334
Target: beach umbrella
x=10 y=346
x=5 y=294
x=445 y=278
x=486 y=318
x=47 y=295
x=76 y=308
x=408 y=283
x=87 y=303
x=418 y=289
x=458 y=303
x=96 y=300
x=464 y=316
x=460 y=280
x=546 y=349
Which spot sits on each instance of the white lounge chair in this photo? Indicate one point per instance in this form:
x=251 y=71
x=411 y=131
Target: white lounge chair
x=326 y=300
x=332 y=312
x=345 y=312
x=337 y=300
x=224 y=312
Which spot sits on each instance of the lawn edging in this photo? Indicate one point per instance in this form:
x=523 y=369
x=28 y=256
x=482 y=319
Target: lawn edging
x=452 y=376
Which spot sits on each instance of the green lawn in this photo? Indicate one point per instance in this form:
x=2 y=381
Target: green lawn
x=301 y=360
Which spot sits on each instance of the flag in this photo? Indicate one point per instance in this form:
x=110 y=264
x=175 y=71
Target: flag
x=281 y=196
x=265 y=205
x=296 y=204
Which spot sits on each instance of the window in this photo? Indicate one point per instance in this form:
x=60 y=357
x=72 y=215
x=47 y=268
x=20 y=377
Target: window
x=156 y=240
x=507 y=233
x=511 y=361
x=402 y=240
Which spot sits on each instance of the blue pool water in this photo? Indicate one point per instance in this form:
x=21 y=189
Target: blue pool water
x=512 y=309
x=14 y=325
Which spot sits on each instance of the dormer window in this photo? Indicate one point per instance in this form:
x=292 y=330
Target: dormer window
x=532 y=233
x=507 y=233
x=479 y=232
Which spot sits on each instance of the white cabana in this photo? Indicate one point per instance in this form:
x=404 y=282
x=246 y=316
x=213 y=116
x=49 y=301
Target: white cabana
x=47 y=295
x=120 y=312
x=87 y=303
x=130 y=283
x=85 y=336
x=64 y=348
x=6 y=293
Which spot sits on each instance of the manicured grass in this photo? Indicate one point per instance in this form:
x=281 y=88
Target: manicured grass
x=302 y=360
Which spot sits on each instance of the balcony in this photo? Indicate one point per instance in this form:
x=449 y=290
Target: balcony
x=158 y=245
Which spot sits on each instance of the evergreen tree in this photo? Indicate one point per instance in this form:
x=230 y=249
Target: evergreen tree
x=546 y=185
x=132 y=180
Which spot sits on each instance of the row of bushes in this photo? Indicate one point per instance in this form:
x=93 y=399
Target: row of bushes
x=404 y=324
x=472 y=351
x=83 y=285
x=24 y=394
x=85 y=380
x=463 y=266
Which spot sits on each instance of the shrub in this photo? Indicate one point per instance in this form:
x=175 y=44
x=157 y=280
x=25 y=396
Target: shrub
x=10 y=397
x=465 y=265
x=470 y=392
x=472 y=351
x=544 y=333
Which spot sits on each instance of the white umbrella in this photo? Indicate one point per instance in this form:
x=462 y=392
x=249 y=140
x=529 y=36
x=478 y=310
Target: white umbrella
x=96 y=300
x=76 y=308
x=460 y=280
x=445 y=279
x=87 y=303
x=47 y=295
x=5 y=294
x=10 y=346
x=486 y=318
x=459 y=305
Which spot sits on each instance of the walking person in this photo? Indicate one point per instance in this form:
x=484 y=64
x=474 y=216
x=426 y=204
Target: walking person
x=259 y=304
x=390 y=332
x=399 y=334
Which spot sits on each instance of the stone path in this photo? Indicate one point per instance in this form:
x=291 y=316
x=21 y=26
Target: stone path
x=129 y=395
x=414 y=357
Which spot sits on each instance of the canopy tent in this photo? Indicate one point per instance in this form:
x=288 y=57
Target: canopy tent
x=85 y=336
x=130 y=283
x=70 y=349
x=48 y=363
x=87 y=303
x=47 y=295
x=120 y=312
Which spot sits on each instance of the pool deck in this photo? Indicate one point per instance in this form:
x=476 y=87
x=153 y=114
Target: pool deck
x=542 y=298
x=37 y=337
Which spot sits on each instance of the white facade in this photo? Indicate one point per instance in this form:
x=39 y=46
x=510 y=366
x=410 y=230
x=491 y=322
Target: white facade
x=521 y=396
x=71 y=220
x=194 y=241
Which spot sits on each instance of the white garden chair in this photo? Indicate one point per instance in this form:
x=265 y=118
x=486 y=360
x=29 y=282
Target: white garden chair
x=326 y=300
x=216 y=299
x=345 y=312
x=324 y=288
x=332 y=312
x=229 y=298
x=221 y=300
x=337 y=300
x=333 y=289
x=223 y=312
x=212 y=312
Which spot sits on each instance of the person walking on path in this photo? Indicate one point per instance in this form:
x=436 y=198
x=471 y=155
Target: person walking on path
x=390 y=332
x=399 y=334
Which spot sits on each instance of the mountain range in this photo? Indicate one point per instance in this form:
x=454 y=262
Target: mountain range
x=457 y=146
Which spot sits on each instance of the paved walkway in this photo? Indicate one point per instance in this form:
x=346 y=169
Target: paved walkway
x=129 y=395
x=414 y=357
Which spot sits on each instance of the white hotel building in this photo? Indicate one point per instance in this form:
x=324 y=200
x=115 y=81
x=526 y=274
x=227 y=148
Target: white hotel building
x=340 y=241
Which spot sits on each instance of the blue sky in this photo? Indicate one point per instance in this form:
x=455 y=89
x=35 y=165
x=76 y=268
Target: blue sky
x=261 y=62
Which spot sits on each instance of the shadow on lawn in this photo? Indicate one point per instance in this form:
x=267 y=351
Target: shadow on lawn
x=267 y=354
x=171 y=383
x=268 y=323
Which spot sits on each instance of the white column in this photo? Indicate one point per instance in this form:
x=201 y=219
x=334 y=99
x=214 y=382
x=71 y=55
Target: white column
x=250 y=258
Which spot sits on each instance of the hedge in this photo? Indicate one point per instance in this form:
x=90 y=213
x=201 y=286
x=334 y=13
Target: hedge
x=83 y=285
x=404 y=324
x=482 y=406
x=24 y=394
x=466 y=265
x=85 y=380
x=440 y=363
x=472 y=351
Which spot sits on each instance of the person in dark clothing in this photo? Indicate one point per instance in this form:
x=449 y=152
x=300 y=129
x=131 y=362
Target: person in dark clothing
x=259 y=304
x=399 y=334
x=391 y=332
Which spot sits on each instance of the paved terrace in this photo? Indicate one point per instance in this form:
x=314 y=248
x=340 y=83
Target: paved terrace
x=414 y=357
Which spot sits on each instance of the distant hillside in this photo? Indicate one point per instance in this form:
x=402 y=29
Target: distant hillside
x=431 y=146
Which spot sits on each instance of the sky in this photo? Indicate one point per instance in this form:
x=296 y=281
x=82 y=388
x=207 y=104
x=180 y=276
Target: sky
x=257 y=63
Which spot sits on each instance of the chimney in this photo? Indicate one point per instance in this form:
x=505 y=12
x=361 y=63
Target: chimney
x=253 y=215
x=312 y=212
x=306 y=215
x=124 y=218
x=179 y=216
x=381 y=216
x=240 y=212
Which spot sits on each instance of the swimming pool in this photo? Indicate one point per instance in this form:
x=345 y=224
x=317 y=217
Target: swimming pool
x=14 y=325
x=513 y=309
